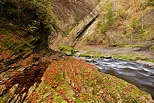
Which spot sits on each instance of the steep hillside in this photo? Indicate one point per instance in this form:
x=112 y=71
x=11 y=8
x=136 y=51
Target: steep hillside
x=114 y=23
x=26 y=26
x=123 y=22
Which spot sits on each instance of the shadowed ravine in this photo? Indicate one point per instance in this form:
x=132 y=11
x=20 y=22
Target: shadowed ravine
x=138 y=74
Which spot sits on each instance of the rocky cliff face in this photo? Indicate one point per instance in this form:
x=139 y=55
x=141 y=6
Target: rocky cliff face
x=111 y=22
x=67 y=15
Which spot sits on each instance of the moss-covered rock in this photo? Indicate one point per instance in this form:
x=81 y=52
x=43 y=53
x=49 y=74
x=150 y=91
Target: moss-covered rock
x=72 y=80
x=68 y=50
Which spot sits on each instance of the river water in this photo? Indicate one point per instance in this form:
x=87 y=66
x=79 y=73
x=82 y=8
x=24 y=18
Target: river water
x=138 y=74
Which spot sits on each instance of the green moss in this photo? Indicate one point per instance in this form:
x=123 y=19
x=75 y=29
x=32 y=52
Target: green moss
x=87 y=86
x=152 y=48
x=128 y=57
x=68 y=50
x=92 y=54
x=17 y=46
x=79 y=101
x=60 y=76
x=41 y=86
x=85 y=55
x=59 y=99
x=4 y=99
x=26 y=101
x=116 y=45
x=68 y=89
x=133 y=57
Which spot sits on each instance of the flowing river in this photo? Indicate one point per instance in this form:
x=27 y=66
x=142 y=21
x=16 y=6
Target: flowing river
x=138 y=74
